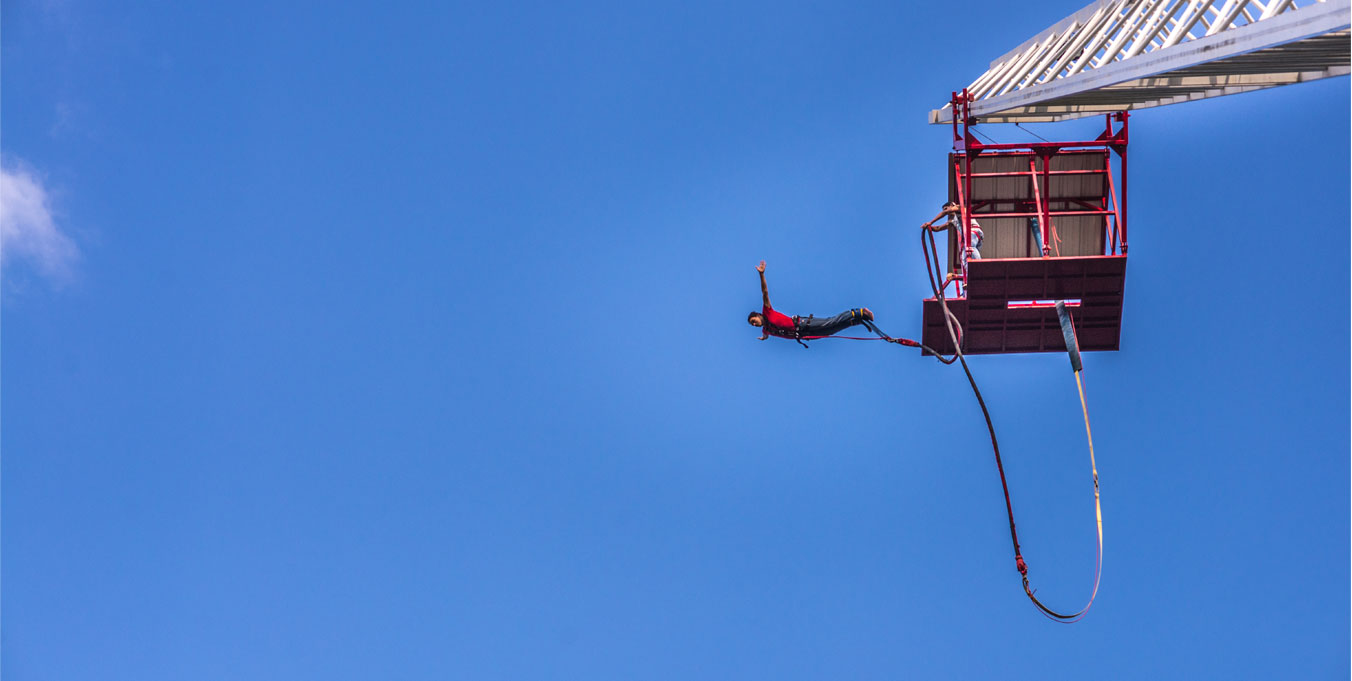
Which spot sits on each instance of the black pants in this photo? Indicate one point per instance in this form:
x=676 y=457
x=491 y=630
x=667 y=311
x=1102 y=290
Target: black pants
x=808 y=327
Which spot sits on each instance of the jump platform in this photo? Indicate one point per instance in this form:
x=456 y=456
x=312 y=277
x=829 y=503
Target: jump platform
x=1009 y=305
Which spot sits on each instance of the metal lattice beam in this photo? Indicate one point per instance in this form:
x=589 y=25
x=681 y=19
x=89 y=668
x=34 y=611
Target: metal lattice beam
x=1117 y=55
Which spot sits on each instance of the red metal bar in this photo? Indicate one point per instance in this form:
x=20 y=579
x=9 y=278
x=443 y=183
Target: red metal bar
x=961 y=236
x=1091 y=147
x=1054 y=172
x=1044 y=145
x=964 y=210
x=1086 y=201
x=1122 y=228
x=1109 y=224
x=1117 y=218
x=957 y=175
x=1017 y=304
x=1085 y=204
x=962 y=205
x=953 y=102
x=1038 y=215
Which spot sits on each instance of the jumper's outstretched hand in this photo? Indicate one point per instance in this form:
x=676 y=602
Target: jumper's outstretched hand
x=765 y=289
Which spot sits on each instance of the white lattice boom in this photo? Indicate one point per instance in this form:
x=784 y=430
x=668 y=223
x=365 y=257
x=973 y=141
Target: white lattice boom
x=1117 y=55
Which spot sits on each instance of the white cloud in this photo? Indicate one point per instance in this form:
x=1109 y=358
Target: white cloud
x=28 y=230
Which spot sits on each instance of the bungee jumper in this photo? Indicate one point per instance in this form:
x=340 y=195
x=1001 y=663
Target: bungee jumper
x=774 y=323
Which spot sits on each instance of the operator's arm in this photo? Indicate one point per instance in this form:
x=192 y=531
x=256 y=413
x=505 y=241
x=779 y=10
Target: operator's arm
x=931 y=226
x=765 y=290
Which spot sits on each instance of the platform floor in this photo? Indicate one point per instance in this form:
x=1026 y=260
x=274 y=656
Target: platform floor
x=992 y=326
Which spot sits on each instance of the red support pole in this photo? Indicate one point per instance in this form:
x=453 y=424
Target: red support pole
x=965 y=209
x=1123 y=227
x=953 y=103
x=962 y=212
x=1117 y=216
x=1109 y=238
x=1038 y=214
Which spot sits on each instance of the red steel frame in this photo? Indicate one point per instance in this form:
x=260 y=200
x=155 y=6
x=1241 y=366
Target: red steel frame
x=1004 y=304
x=968 y=147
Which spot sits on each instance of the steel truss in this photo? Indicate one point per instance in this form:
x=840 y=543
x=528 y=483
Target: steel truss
x=1119 y=55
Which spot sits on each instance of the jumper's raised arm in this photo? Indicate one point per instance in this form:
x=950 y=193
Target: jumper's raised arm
x=765 y=289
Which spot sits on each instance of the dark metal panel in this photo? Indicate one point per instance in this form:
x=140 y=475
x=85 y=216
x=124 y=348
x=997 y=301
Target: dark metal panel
x=990 y=326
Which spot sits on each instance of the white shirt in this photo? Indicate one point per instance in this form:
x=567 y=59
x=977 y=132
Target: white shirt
x=978 y=236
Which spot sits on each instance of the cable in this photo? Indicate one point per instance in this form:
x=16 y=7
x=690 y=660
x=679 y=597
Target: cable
x=882 y=337
x=931 y=249
x=1044 y=139
x=988 y=137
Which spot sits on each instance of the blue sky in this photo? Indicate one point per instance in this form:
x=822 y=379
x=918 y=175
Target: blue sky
x=409 y=342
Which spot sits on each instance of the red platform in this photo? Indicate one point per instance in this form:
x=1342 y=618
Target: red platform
x=1009 y=305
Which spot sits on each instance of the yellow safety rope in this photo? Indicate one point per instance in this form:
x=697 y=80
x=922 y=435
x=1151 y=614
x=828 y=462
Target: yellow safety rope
x=1098 y=514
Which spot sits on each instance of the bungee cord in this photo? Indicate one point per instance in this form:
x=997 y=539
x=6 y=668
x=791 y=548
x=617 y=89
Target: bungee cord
x=1072 y=346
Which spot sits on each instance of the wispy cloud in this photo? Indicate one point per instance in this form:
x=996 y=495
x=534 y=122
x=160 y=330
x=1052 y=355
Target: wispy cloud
x=28 y=229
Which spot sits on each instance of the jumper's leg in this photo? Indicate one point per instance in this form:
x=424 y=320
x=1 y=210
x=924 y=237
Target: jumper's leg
x=832 y=325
